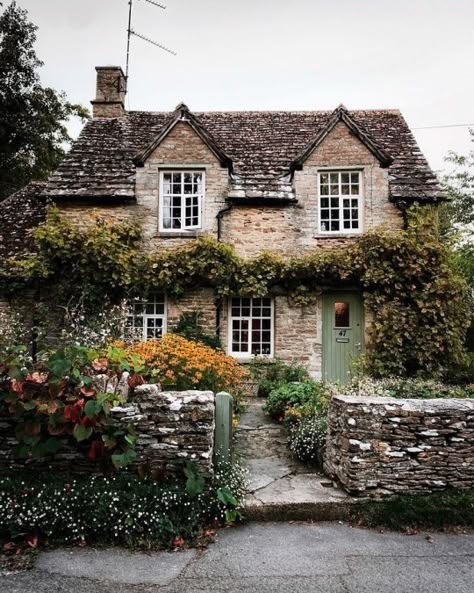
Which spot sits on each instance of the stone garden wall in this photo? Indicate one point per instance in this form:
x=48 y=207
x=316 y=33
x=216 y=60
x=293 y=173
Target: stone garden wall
x=378 y=446
x=172 y=427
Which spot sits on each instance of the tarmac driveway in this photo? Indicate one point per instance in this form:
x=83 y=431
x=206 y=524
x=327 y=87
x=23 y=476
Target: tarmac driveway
x=266 y=558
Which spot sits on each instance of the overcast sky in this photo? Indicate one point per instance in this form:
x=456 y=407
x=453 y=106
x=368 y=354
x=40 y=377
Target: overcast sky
x=415 y=55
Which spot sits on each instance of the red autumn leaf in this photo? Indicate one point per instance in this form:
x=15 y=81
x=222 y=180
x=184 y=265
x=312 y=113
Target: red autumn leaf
x=73 y=412
x=17 y=386
x=37 y=377
x=88 y=422
x=100 y=364
x=8 y=547
x=135 y=380
x=88 y=392
x=96 y=450
x=32 y=541
x=178 y=542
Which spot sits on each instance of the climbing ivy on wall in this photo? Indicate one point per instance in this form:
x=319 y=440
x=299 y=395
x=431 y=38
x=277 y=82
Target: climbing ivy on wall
x=417 y=302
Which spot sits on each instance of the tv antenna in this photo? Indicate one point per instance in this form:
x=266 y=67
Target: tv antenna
x=131 y=33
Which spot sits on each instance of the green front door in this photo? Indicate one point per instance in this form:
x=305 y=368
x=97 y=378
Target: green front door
x=343 y=334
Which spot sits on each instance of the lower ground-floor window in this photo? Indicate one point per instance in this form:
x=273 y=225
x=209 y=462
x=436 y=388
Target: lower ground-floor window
x=147 y=318
x=251 y=327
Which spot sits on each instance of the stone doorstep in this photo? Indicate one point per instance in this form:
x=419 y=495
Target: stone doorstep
x=340 y=510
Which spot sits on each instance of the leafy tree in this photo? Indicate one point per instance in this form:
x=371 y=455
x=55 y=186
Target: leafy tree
x=460 y=186
x=457 y=216
x=33 y=118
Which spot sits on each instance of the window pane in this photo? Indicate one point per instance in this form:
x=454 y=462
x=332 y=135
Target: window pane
x=339 y=185
x=182 y=194
x=341 y=314
x=251 y=331
x=354 y=177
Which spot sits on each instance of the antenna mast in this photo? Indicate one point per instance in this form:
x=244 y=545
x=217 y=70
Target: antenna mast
x=131 y=32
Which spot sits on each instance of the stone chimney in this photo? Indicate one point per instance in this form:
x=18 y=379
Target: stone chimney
x=111 y=91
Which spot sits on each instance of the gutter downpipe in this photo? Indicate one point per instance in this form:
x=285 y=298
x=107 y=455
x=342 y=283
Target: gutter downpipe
x=219 y=217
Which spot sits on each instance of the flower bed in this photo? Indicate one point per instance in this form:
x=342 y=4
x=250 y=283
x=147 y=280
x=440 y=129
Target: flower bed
x=124 y=510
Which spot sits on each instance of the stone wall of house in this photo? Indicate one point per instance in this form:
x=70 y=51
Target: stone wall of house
x=297 y=332
x=172 y=427
x=377 y=446
x=251 y=229
x=201 y=300
x=293 y=229
x=182 y=148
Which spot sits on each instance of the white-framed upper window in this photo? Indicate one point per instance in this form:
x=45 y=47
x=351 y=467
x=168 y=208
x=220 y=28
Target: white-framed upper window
x=251 y=327
x=340 y=202
x=181 y=200
x=147 y=319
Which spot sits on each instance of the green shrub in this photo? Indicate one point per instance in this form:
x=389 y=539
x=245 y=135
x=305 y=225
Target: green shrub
x=271 y=375
x=121 y=510
x=189 y=326
x=308 y=394
x=307 y=439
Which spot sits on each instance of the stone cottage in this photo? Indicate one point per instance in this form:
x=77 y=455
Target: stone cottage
x=281 y=181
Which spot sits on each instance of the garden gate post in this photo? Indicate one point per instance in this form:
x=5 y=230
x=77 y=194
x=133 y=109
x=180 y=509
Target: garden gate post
x=223 y=432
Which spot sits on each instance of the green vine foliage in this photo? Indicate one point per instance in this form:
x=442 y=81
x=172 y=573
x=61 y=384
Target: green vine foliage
x=417 y=303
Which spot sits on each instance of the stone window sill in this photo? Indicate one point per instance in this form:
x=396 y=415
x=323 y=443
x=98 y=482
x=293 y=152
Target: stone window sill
x=338 y=236
x=179 y=235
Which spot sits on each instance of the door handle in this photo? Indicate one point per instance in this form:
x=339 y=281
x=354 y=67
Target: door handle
x=358 y=345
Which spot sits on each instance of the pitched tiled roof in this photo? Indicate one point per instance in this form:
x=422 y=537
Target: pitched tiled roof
x=20 y=214
x=262 y=147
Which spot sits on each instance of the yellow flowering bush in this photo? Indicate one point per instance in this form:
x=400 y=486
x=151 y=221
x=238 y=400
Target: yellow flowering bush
x=185 y=364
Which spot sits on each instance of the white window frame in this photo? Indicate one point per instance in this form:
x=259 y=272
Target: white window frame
x=248 y=353
x=201 y=197
x=359 y=197
x=153 y=299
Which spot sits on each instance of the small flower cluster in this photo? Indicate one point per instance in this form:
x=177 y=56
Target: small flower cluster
x=308 y=438
x=14 y=329
x=121 y=509
x=402 y=388
x=93 y=331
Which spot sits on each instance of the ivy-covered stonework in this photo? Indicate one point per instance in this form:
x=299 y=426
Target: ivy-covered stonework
x=417 y=302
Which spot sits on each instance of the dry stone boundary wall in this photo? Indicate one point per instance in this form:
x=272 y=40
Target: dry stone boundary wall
x=172 y=427
x=378 y=446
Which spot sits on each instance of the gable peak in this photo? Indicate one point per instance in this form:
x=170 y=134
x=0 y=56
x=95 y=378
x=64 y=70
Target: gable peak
x=341 y=108
x=182 y=111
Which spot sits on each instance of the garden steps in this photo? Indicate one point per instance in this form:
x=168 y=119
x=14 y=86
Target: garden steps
x=281 y=488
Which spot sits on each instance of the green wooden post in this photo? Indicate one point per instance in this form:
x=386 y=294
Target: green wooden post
x=223 y=432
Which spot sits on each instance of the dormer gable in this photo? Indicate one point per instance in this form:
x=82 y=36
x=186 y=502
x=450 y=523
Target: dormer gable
x=341 y=115
x=182 y=114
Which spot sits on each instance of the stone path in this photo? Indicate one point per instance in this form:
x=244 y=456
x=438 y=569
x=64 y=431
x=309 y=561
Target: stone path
x=279 y=486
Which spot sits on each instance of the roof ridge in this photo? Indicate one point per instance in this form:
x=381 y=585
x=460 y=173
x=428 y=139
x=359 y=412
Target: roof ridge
x=392 y=110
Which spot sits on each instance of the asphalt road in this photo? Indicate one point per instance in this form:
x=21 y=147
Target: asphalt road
x=266 y=558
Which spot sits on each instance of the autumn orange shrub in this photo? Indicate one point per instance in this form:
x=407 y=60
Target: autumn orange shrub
x=185 y=364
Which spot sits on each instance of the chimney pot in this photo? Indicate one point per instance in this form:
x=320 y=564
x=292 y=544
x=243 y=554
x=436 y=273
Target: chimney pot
x=111 y=91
